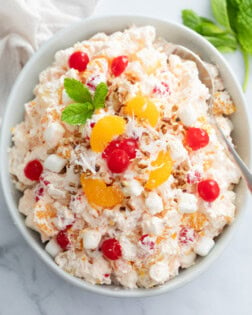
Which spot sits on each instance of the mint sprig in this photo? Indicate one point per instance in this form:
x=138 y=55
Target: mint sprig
x=100 y=95
x=78 y=113
x=233 y=29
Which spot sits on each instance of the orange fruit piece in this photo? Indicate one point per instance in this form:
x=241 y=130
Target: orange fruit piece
x=161 y=172
x=196 y=220
x=99 y=194
x=105 y=130
x=142 y=108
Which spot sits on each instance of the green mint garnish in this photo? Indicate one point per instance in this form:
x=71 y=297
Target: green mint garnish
x=77 y=91
x=78 y=113
x=100 y=95
x=234 y=28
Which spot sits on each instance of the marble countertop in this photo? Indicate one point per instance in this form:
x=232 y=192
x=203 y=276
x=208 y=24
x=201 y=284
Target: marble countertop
x=28 y=287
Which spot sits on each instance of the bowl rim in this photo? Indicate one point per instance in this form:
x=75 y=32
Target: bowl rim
x=176 y=282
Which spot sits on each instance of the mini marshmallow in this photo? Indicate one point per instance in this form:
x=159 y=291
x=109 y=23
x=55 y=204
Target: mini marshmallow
x=187 y=203
x=187 y=114
x=91 y=239
x=154 y=203
x=177 y=150
x=133 y=188
x=53 y=133
x=153 y=225
x=160 y=272
x=204 y=245
x=54 y=163
x=52 y=248
x=186 y=260
x=129 y=250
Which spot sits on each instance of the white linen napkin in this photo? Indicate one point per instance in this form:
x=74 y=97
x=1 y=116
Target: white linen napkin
x=25 y=25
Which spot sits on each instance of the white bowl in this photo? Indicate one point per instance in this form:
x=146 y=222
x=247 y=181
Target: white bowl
x=22 y=92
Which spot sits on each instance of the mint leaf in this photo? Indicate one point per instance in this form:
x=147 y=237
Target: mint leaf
x=77 y=113
x=200 y=24
x=209 y=28
x=244 y=25
x=236 y=17
x=220 y=12
x=191 y=20
x=100 y=95
x=77 y=91
x=225 y=49
x=232 y=9
x=223 y=40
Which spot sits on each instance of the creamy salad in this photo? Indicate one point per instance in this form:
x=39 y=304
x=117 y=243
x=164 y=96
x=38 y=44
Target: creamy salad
x=122 y=173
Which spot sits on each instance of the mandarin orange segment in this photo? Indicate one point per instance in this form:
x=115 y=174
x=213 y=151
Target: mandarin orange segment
x=196 y=220
x=142 y=108
x=99 y=194
x=161 y=172
x=105 y=130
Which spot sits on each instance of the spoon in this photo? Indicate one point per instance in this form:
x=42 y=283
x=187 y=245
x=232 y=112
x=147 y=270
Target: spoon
x=206 y=79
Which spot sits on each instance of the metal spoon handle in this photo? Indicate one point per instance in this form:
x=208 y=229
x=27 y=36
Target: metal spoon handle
x=206 y=79
x=241 y=165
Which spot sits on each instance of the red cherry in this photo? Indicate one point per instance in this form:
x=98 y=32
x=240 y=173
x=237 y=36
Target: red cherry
x=78 y=60
x=146 y=242
x=129 y=145
x=63 y=240
x=196 y=138
x=118 y=65
x=186 y=235
x=33 y=170
x=208 y=190
x=115 y=144
x=118 y=161
x=111 y=249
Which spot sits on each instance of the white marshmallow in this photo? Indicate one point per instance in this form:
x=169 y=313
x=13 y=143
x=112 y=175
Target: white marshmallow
x=53 y=133
x=55 y=192
x=129 y=250
x=133 y=188
x=91 y=239
x=160 y=272
x=204 y=245
x=53 y=248
x=186 y=260
x=187 y=114
x=154 y=203
x=177 y=150
x=153 y=225
x=54 y=163
x=187 y=203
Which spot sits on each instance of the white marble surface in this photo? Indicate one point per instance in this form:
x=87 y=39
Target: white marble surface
x=28 y=287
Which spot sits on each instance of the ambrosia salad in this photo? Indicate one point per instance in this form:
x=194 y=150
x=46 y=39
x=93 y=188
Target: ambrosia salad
x=122 y=173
